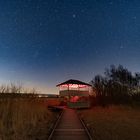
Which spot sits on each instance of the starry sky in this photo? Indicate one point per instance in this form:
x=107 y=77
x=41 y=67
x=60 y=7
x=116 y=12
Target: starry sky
x=45 y=42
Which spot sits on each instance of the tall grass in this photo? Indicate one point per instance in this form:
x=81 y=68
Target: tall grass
x=24 y=119
x=113 y=122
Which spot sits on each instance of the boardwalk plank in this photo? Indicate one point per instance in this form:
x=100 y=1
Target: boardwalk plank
x=69 y=127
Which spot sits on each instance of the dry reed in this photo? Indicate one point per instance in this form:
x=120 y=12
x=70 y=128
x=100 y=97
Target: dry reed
x=24 y=119
x=113 y=123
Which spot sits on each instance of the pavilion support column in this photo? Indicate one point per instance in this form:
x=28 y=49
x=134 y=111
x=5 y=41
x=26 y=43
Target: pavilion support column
x=68 y=92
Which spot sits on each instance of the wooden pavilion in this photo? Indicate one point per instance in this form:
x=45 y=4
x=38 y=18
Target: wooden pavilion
x=75 y=93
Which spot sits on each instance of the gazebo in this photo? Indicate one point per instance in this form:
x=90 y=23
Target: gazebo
x=75 y=93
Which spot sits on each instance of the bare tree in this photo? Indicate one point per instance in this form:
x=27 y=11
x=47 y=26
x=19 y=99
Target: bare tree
x=33 y=91
x=2 y=89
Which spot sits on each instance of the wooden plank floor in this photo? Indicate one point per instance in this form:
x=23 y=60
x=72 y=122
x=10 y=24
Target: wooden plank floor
x=70 y=127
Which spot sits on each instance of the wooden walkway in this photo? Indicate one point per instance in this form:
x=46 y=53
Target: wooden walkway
x=69 y=127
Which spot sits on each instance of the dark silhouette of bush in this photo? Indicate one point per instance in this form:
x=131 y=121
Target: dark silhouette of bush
x=116 y=86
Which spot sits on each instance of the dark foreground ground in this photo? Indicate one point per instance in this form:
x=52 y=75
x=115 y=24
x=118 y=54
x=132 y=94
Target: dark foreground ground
x=113 y=123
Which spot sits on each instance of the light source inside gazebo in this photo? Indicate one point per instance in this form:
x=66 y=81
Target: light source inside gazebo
x=75 y=93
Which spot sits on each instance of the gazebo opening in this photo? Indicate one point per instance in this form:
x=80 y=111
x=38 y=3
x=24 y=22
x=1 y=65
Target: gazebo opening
x=75 y=93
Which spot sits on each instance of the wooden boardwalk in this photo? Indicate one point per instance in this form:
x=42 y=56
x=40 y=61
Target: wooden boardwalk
x=69 y=127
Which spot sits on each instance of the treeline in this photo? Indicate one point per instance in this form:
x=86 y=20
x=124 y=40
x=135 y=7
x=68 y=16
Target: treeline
x=117 y=86
x=16 y=90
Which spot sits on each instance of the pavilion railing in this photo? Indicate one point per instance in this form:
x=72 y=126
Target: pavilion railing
x=73 y=93
x=78 y=104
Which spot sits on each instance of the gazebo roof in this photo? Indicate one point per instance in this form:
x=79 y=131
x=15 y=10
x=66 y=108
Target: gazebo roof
x=72 y=81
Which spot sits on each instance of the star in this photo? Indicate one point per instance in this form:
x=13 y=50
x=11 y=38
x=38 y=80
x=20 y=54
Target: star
x=96 y=51
x=134 y=17
x=82 y=11
x=40 y=24
x=36 y=54
x=55 y=10
x=121 y=47
x=74 y=15
x=110 y=3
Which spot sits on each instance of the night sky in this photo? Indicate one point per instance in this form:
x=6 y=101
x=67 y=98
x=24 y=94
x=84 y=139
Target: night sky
x=44 y=42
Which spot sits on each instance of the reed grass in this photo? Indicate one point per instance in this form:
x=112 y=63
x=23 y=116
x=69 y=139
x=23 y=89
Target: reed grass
x=113 y=122
x=25 y=119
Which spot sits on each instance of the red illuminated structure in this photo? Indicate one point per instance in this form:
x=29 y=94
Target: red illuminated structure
x=75 y=93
